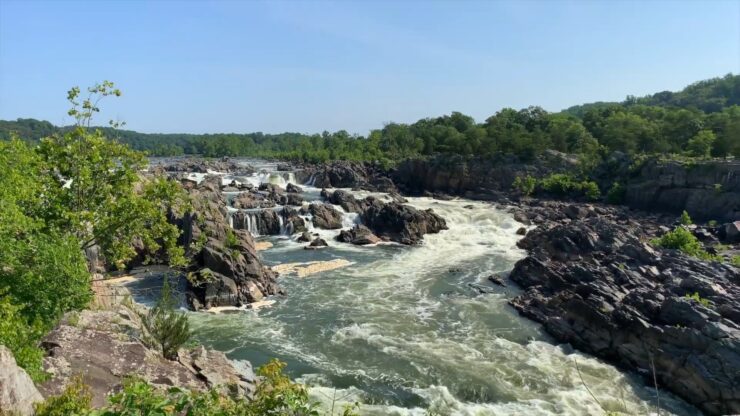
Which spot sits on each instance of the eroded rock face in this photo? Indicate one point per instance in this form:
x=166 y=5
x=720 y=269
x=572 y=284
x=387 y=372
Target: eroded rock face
x=17 y=391
x=595 y=284
x=707 y=190
x=347 y=174
x=233 y=275
x=204 y=165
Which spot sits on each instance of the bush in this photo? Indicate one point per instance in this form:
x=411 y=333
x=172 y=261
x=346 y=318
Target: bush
x=564 y=185
x=525 y=184
x=685 y=219
x=616 y=194
x=681 y=239
x=590 y=190
x=275 y=395
x=695 y=296
x=168 y=327
x=75 y=400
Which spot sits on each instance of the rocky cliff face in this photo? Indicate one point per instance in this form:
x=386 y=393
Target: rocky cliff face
x=476 y=178
x=707 y=190
x=594 y=283
x=226 y=267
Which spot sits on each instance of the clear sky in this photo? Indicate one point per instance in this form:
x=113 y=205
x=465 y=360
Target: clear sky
x=309 y=66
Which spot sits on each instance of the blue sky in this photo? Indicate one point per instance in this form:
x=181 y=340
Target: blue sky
x=309 y=66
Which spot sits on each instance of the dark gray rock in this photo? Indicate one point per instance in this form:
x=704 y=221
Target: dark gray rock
x=595 y=284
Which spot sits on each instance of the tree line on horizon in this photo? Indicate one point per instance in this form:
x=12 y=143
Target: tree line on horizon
x=702 y=120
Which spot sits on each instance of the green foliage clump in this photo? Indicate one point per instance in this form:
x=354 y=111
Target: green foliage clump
x=73 y=401
x=275 y=395
x=735 y=261
x=701 y=144
x=685 y=219
x=564 y=184
x=681 y=239
x=169 y=328
x=695 y=296
x=21 y=336
x=525 y=185
x=616 y=194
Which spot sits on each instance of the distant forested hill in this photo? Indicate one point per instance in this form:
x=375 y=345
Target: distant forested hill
x=701 y=120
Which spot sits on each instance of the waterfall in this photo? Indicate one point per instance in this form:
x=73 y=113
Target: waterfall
x=245 y=221
x=290 y=178
x=311 y=180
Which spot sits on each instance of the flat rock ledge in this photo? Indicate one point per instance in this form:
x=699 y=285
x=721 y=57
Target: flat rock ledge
x=106 y=346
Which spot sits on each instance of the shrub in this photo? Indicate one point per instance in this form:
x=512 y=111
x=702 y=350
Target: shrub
x=712 y=223
x=525 y=184
x=559 y=183
x=275 y=395
x=685 y=219
x=74 y=400
x=695 y=296
x=590 y=190
x=735 y=261
x=681 y=239
x=616 y=194
x=168 y=327
x=562 y=184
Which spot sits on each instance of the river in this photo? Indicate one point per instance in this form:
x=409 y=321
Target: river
x=420 y=330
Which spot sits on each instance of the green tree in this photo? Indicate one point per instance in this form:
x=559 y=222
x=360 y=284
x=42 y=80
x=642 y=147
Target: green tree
x=701 y=144
x=168 y=327
x=99 y=195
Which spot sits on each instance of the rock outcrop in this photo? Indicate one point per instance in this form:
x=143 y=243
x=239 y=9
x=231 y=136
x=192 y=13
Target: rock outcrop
x=107 y=345
x=346 y=174
x=708 y=190
x=17 y=391
x=594 y=283
x=199 y=165
x=475 y=178
x=391 y=221
x=224 y=275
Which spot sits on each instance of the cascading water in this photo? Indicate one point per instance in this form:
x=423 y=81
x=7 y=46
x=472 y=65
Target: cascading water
x=405 y=330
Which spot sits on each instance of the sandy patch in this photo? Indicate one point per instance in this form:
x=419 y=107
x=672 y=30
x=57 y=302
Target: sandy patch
x=262 y=245
x=312 y=267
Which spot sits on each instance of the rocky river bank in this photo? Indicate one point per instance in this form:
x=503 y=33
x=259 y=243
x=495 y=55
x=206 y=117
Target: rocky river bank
x=594 y=280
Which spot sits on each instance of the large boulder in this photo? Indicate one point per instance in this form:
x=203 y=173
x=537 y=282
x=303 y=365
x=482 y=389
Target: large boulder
x=17 y=391
x=358 y=235
x=597 y=285
x=325 y=216
x=401 y=223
